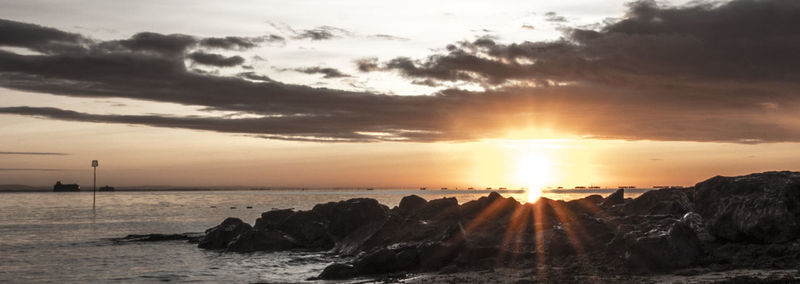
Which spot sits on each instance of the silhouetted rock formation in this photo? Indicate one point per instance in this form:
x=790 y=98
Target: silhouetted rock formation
x=662 y=230
x=758 y=207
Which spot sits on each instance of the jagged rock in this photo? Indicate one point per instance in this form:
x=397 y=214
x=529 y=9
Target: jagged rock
x=438 y=209
x=434 y=255
x=695 y=221
x=385 y=260
x=662 y=249
x=309 y=229
x=410 y=204
x=251 y=241
x=344 y=217
x=618 y=197
x=338 y=271
x=763 y=207
x=272 y=219
x=218 y=237
x=355 y=241
x=667 y=201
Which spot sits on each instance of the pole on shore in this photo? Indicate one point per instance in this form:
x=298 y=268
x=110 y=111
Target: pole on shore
x=94 y=184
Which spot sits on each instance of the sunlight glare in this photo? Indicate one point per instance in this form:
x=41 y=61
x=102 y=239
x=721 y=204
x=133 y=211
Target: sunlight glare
x=533 y=171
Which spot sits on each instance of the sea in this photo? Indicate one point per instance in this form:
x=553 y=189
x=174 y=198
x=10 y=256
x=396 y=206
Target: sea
x=48 y=237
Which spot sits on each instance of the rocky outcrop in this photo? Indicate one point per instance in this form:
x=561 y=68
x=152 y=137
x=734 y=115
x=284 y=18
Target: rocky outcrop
x=659 y=249
x=667 y=201
x=762 y=207
x=661 y=230
x=410 y=204
x=218 y=237
x=618 y=197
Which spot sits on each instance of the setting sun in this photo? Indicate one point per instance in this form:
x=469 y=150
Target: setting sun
x=533 y=171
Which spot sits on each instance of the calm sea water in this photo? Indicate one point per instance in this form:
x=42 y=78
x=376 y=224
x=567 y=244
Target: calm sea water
x=56 y=237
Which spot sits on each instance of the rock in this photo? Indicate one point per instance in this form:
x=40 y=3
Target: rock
x=218 y=237
x=663 y=249
x=410 y=204
x=338 y=271
x=695 y=221
x=433 y=256
x=763 y=207
x=438 y=209
x=344 y=217
x=309 y=229
x=262 y=241
x=667 y=201
x=191 y=237
x=272 y=219
x=618 y=197
x=450 y=269
x=378 y=262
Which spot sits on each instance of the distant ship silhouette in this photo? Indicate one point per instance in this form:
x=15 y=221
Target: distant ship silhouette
x=60 y=187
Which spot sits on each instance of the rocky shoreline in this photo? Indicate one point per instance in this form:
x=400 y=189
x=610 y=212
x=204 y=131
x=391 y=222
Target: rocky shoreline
x=722 y=224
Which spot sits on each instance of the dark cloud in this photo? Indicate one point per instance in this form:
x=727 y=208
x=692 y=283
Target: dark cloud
x=169 y=45
x=214 y=59
x=255 y=76
x=322 y=33
x=388 y=37
x=34 y=153
x=724 y=72
x=739 y=40
x=238 y=43
x=554 y=17
x=38 y=38
x=367 y=64
x=327 y=71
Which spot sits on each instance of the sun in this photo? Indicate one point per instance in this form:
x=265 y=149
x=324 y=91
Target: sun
x=533 y=172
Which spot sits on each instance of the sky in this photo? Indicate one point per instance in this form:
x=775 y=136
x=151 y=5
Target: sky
x=397 y=93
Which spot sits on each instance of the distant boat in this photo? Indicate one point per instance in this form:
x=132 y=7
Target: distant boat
x=60 y=187
x=488 y=188
x=580 y=187
x=594 y=187
x=502 y=188
x=560 y=187
x=471 y=188
x=370 y=188
x=422 y=188
x=626 y=186
x=107 y=188
x=443 y=188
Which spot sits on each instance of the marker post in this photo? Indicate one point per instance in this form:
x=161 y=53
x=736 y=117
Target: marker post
x=94 y=184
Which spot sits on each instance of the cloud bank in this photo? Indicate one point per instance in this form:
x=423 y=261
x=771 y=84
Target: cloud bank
x=706 y=72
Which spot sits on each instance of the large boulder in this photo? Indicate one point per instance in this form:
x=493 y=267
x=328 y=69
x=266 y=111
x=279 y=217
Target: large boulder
x=763 y=207
x=661 y=249
x=338 y=271
x=410 y=204
x=272 y=219
x=667 y=201
x=386 y=260
x=438 y=209
x=218 y=237
x=344 y=217
x=309 y=229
